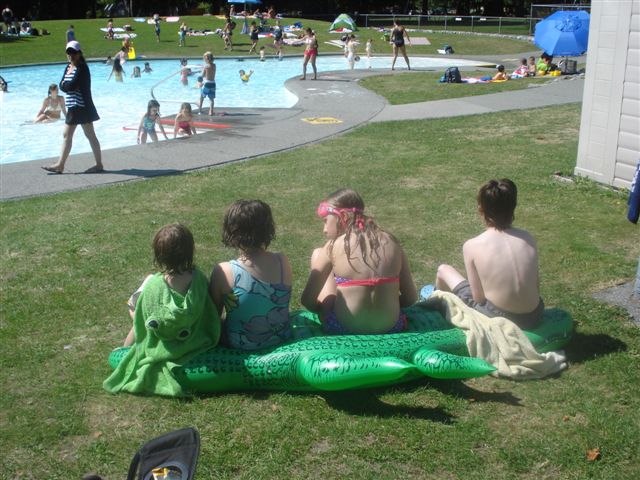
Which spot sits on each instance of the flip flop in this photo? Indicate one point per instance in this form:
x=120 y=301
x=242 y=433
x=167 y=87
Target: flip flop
x=94 y=169
x=52 y=170
x=426 y=291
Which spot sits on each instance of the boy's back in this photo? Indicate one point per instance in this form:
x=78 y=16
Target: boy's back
x=505 y=266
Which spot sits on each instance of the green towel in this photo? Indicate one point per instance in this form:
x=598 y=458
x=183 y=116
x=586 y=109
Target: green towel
x=170 y=329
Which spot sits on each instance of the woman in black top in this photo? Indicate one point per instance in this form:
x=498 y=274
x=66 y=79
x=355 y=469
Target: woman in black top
x=76 y=83
x=397 y=39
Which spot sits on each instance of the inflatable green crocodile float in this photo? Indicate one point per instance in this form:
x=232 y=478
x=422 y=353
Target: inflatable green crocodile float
x=313 y=362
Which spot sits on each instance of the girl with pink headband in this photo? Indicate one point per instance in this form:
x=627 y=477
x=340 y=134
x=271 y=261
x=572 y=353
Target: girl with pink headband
x=360 y=278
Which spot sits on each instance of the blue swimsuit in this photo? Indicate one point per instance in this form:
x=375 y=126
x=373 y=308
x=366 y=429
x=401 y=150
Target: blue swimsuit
x=257 y=311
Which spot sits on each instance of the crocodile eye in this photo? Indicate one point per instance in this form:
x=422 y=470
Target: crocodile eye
x=152 y=324
x=184 y=333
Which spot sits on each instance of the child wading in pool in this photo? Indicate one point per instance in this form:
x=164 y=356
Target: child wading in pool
x=148 y=123
x=255 y=289
x=208 y=88
x=244 y=76
x=173 y=318
x=501 y=263
x=117 y=71
x=184 y=121
x=360 y=278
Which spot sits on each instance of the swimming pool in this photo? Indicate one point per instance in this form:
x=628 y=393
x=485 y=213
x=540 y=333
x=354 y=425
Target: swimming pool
x=121 y=105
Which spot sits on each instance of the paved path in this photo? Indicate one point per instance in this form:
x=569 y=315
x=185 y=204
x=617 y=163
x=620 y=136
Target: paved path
x=255 y=132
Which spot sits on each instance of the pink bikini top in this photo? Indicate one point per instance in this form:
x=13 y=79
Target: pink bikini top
x=367 y=282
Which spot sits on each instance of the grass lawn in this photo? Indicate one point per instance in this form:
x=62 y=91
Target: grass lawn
x=69 y=262
x=51 y=48
x=425 y=86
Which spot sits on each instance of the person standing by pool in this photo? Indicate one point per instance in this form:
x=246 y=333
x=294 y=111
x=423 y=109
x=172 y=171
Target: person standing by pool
x=156 y=26
x=7 y=17
x=208 y=81
x=277 y=39
x=76 y=83
x=397 y=39
x=71 y=34
x=182 y=32
x=310 y=53
x=52 y=107
x=253 y=35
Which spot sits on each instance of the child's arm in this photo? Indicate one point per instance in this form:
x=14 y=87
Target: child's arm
x=175 y=126
x=321 y=267
x=44 y=107
x=472 y=274
x=140 y=128
x=193 y=127
x=219 y=287
x=159 y=123
x=408 y=292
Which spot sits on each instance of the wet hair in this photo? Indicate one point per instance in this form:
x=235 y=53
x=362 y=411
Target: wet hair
x=200 y=78
x=52 y=87
x=173 y=248
x=183 y=61
x=498 y=199
x=363 y=227
x=153 y=104
x=186 y=106
x=248 y=225
x=241 y=72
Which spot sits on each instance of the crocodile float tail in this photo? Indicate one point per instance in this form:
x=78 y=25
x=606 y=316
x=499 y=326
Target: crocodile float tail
x=326 y=371
x=437 y=364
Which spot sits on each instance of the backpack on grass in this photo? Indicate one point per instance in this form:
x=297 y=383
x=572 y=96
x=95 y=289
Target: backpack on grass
x=451 y=75
x=172 y=455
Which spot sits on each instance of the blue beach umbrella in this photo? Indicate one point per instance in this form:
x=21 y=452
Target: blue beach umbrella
x=564 y=33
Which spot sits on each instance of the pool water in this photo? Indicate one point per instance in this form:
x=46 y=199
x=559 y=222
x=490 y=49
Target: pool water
x=121 y=105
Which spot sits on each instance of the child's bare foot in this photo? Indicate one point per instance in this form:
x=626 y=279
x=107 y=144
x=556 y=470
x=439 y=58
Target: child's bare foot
x=303 y=78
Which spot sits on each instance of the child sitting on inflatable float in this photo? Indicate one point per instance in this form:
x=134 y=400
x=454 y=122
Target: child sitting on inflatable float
x=501 y=263
x=360 y=278
x=253 y=290
x=345 y=301
x=173 y=319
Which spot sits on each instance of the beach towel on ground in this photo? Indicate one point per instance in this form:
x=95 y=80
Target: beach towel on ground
x=497 y=340
x=170 y=329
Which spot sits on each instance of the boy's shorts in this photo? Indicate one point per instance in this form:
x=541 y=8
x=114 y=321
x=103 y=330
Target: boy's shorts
x=526 y=321
x=208 y=90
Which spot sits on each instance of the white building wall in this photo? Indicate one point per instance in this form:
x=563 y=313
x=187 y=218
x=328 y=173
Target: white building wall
x=609 y=145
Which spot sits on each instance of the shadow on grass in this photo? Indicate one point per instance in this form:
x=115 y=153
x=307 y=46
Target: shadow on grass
x=463 y=390
x=366 y=403
x=584 y=346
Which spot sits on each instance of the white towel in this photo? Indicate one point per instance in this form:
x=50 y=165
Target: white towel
x=498 y=341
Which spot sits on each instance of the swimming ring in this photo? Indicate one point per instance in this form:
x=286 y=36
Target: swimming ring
x=431 y=348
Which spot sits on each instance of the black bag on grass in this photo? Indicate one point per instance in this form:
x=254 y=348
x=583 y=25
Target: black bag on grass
x=176 y=452
x=452 y=75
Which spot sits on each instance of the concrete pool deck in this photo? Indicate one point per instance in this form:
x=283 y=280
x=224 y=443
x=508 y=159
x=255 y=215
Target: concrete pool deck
x=256 y=132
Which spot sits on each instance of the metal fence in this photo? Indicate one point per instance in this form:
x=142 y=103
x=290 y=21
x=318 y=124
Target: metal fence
x=471 y=23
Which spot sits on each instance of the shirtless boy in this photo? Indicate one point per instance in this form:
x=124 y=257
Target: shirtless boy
x=208 y=81
x=501 y=263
